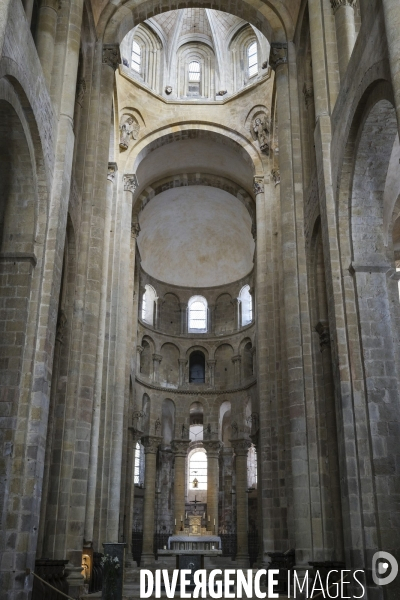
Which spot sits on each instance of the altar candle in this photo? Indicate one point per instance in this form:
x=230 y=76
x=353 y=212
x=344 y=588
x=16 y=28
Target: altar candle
x=214 y=521
x=175 y=521
x=186 y=516
x=204 y=515
x=181 y=518
x=208 y=518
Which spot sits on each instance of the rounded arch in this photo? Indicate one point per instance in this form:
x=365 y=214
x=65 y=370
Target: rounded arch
x=196 y=421
x=196 y=348
x=224 y=314
x=148 y=304
x=197 y=367
x=169 y=368
x=272 y=18
x=146 y=62
x=176 y=131
x=170 y=314
x=224 y=372
x=246 y=305
x=197 y=469
x=225 y=417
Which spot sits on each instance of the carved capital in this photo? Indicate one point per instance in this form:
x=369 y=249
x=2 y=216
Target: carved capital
x=276 y=176
x=136 y=434
x=322 y=328
x=278 y=55
x=241 y=447
x=112 y=171
x=213 y=448
x=151 y=443
x=130 y=183
x=258 y=185
x=111 y=55
x=338 y=3
x=157 y=357
x=180 y=447
x=135 y=229
x=236 y=358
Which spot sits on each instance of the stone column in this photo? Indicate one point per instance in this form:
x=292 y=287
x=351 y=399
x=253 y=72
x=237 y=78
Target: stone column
x=46 y=35
x=237 y=308
x=333 y=502
x=123 y=261
x=97 y=407
x=150 y=444
x=237 y=363
x=184 y=318
x=182 y=365
x=262 y=292
x=134 y=437
x=211 y=318
x=302 y=501
x=211 y=372
x=157 y=358
x=345 y=31
x=180 y=448
x=391 y=11
x=241 y=448
x=213 y=448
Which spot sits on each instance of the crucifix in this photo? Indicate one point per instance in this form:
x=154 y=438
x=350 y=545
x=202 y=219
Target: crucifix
x=195 y=502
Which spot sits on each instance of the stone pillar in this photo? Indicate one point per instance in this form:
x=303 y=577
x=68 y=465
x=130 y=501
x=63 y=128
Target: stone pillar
x=302 y=501
x=345 y=31
x=241 y=448
x=213 y=448
x=150 y=444
x=134 y=437
x=184 y=318
x=46 y=35
x=333 y=502
x=157 y=358
x=182 y=365
x=211 y=318
x=124 y=255
x=237 y=364
x=237 y=308
x=211 y=372
x=391 y=11
x=228 y=518
x=180 y=448
x=267 y=538
x=97 y=408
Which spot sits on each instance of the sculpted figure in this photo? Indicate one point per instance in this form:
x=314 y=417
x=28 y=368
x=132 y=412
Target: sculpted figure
x=129 y=129
x=260 y=132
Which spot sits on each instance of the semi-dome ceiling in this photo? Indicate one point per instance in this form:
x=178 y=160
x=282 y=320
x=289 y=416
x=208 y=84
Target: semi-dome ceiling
x=196 y=236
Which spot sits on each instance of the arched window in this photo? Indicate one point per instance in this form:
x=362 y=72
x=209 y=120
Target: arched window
x=136 y=57
x=198 y=470
x=197 y=367
x=246 y=304
x=149 y=298
x=194 y=78
x=197 y=314
x=252 y=59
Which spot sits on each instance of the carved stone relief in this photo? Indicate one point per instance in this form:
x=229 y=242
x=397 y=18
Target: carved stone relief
x=278 y=55
x=111 y=55
x=260 y=131
x=129 y=130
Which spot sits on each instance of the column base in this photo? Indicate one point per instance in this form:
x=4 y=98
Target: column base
x=75 y=580
x=147 y=560
x=242 y=560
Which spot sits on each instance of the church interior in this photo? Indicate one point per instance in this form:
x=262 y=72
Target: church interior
x=199 y=290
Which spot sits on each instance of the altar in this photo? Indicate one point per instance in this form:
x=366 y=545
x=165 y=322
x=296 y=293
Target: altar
x=193 y=540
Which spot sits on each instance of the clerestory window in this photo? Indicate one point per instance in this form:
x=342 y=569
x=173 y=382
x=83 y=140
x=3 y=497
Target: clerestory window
x=194 y=78
x=252 y=59
x=136 y=57
x=197 y=314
